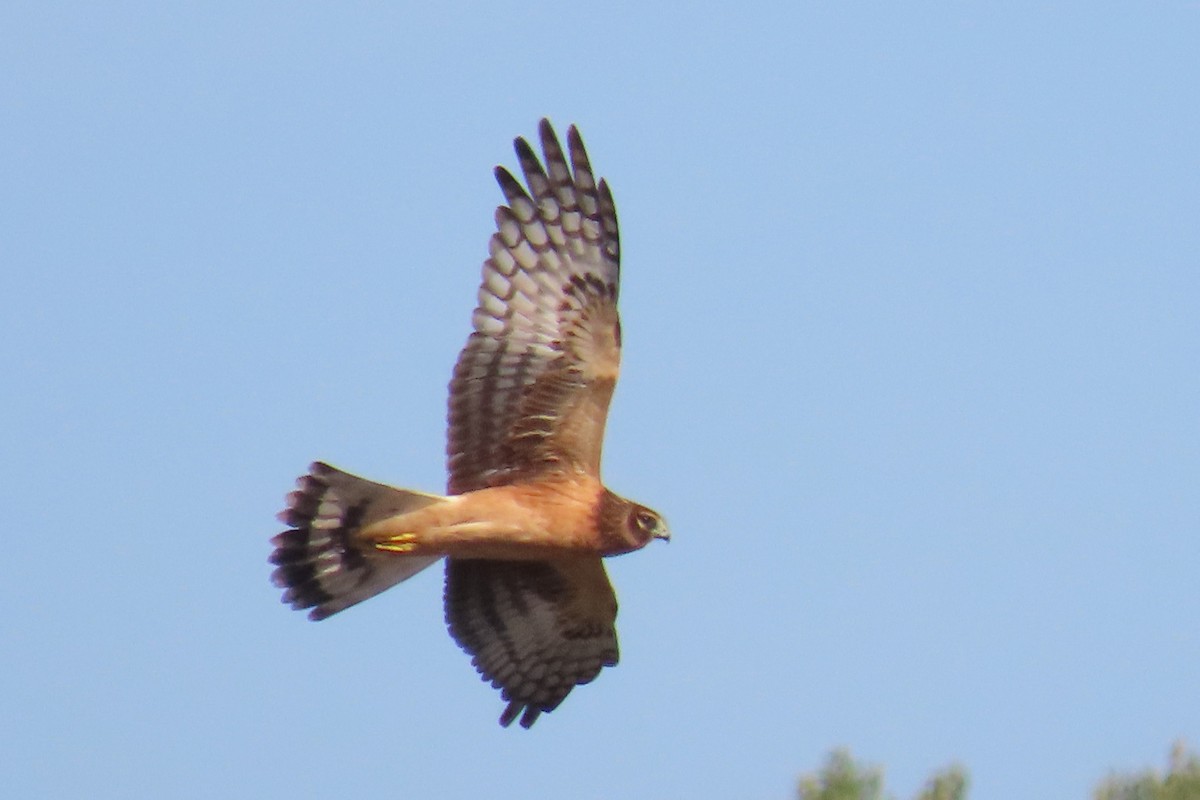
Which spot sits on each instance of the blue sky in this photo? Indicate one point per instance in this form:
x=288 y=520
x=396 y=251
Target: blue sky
x=911 y=340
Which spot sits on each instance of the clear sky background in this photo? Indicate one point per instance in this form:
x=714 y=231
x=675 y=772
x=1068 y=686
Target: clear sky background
x=910 y=300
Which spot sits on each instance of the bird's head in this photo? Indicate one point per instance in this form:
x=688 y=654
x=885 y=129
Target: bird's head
x=646 y=524
x=626 y=526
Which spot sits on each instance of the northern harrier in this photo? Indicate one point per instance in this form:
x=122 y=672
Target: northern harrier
x=526 y=519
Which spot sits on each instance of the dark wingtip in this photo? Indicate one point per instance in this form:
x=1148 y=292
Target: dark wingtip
x=524 y=150
x=530 y=716
x=512 y=188
x=575 y=140
x=527 y=713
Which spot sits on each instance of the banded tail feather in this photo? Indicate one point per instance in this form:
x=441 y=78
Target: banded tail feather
x=319 y=564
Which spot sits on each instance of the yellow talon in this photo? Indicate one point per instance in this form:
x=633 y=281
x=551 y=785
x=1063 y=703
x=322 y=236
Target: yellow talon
x=400 y=543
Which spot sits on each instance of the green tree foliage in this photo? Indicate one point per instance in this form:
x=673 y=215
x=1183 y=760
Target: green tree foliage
x=1181 y=782
x=950 y=784
x=843 y=779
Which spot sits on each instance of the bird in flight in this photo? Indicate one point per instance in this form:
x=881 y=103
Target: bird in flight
x=526 y=520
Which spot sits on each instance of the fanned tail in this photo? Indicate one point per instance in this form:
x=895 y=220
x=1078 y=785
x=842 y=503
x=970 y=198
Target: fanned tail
x=320 y=565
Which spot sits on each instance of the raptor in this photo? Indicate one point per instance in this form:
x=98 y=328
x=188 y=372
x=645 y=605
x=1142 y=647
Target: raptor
x=526 y=520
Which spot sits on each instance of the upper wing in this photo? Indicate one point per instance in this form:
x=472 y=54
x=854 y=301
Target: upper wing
x=531 y=388
x=535 y=629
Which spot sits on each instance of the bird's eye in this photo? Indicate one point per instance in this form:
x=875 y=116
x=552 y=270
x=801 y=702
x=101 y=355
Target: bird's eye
x=647 y=521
